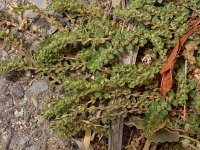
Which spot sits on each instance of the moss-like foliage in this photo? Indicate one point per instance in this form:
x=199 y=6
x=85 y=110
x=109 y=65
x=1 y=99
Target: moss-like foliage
x=84 y=57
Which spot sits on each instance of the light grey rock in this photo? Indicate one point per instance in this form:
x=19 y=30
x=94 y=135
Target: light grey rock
x=36 y=132
x=33 y=147
x=23 y=140
x=42 y=23
x=18 y=113
x=5 y=137
x=37 y=88
x=52 y=30
x=27 y=116
x=5 y=102
x=4 y=55
x=42 y=4
x=3 y=86
x=2 y=5
x=35 y=46
x=23 y=102
x=18 y=91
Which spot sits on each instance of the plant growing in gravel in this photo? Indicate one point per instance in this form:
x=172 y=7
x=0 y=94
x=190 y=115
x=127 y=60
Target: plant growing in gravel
x=84 y=55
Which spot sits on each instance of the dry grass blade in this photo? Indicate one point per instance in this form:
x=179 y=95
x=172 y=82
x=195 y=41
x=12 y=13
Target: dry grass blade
x=87 y=137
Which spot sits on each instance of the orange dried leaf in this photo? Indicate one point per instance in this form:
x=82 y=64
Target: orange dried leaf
x=166 y=83
x=167 y=69
x=170 y=62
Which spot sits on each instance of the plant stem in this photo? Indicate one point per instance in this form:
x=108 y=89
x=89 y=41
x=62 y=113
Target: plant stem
x=193 y=147
x=189 y=138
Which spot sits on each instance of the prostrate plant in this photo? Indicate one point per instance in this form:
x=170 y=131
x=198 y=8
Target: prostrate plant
x=84 y=57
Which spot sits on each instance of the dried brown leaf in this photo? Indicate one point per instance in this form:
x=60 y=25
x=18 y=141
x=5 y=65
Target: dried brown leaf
x=166 y=82
x=167 y=69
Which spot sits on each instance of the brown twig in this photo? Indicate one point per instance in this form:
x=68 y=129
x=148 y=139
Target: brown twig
x=21 y=29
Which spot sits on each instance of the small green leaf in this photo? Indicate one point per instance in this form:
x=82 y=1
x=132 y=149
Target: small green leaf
x=97 y=94
x=129 y=46
x=100 y=34
x=120 y=49
x=104 y=120
x=108 y=45
x=106 y=95
x=110 y=56
x=29 y=63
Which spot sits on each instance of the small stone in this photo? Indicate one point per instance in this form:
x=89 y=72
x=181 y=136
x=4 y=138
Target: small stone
x=23 y=102
x=18 y=92
x=40 y=4
x=4 y=55
x=32 y=148
x=23 y=140
x=5 y=137
x=42 y=23
x=62 y=91
x=52 y=30
x=36 y=133
x=19 y=113
x=5 y=102
x=27 y=116
x=30 y=14
x=2 y=5
x=14 y=31
x=35 y=46
x=34 y=101
x=3 y=86
x=37 y=88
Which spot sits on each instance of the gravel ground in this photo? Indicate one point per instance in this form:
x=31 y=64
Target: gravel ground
x=21 y=125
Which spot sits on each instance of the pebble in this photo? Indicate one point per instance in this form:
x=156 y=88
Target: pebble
x=3 y=86
x=27 y=116
x=18 y=113
x=23 y=140
x=37 y=88
x=18 y=91
x=2 y=5
x=42 y=23
x=52 y=30
x=5 y=137
x=5 y=102
x=32 y=148
x=23 y=102
x=35 y=46
x=40 y=4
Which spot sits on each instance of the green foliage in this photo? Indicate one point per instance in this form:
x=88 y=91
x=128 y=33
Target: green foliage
x=183 y=88
x=84 y=57
x=156 y=117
